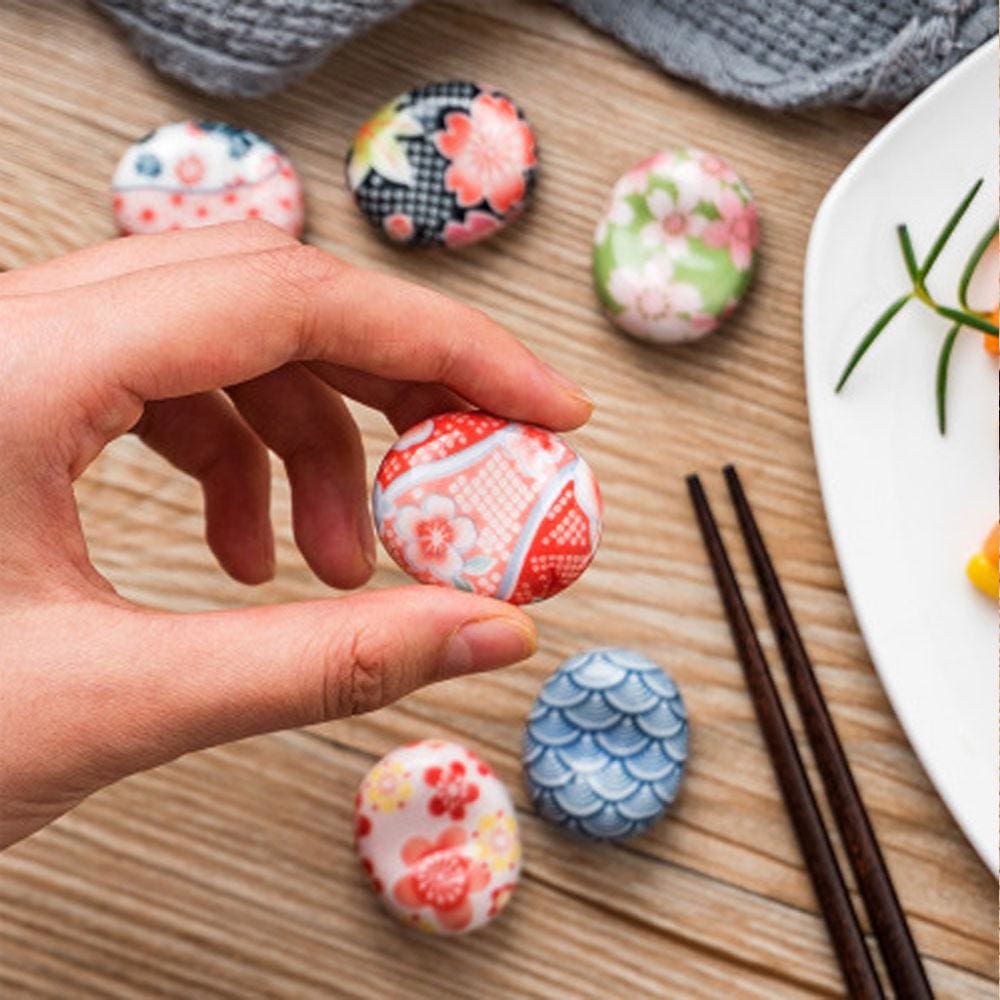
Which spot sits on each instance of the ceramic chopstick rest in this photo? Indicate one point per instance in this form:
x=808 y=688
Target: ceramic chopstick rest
x=605 y=744
x=446 y=164
x=189 y=174
x=487 y=505
x=437 y=835
x=674 y=252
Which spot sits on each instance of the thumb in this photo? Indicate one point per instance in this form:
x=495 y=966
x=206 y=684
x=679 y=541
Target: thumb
x=188 y=681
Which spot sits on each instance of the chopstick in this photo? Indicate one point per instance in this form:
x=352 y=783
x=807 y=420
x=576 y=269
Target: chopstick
x=902 y=960
x=828 y=881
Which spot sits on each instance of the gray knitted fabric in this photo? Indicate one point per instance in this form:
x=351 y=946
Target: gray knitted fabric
x=776 y=53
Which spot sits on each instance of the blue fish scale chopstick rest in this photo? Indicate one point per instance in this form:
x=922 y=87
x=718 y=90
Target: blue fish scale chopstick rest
x=605 y=744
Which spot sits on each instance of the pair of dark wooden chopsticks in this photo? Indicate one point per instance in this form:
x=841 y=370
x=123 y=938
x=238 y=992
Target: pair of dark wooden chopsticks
x=886 y=915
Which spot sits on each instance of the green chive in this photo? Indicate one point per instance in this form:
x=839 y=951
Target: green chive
x=941 y=382
x=945 y=233
x=973 y=262
x=869 y=338
x=907 y=247
x=967 y=319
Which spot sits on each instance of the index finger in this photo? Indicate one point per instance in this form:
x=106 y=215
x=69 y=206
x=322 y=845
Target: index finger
x=192 y=326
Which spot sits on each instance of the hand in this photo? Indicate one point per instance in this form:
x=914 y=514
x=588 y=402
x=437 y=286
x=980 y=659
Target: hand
x=152 y=334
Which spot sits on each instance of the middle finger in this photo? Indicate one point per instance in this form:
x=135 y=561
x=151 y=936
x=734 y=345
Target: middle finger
x=403 y=403
x=310 y=428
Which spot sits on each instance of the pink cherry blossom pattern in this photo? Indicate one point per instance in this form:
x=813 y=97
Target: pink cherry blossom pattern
x=490 y=149
x=654 y=304
x=675 y=245
x=673 y=217
x=435 y=536
x=737 y=229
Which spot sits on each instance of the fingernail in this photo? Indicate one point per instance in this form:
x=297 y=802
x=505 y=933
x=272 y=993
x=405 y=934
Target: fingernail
x=366 y=536
x=488 y=642
x=568 y=386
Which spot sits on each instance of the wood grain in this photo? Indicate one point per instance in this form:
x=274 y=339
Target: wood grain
x=230 y=873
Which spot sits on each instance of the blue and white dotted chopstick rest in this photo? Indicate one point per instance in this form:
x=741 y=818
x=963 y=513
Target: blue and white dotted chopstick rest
x=605 y=744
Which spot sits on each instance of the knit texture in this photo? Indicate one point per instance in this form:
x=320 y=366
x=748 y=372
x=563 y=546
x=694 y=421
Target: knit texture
x=775 y=53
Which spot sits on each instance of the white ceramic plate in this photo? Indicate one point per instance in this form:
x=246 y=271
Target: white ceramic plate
x=907 y=507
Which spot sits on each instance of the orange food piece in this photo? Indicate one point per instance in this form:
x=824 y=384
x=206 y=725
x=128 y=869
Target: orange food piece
x=991 y=343
x=984 y=575
x=983 y=569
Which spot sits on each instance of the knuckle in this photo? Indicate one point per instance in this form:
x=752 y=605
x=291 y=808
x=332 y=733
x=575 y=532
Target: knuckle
x=450 y=360
x=356 y=681
x=304 y=267
x=297 y=276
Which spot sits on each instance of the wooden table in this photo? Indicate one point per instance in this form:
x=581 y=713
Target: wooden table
x=230 y=873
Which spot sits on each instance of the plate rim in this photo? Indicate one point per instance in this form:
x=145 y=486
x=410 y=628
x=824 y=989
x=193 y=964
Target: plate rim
x=987 y=852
